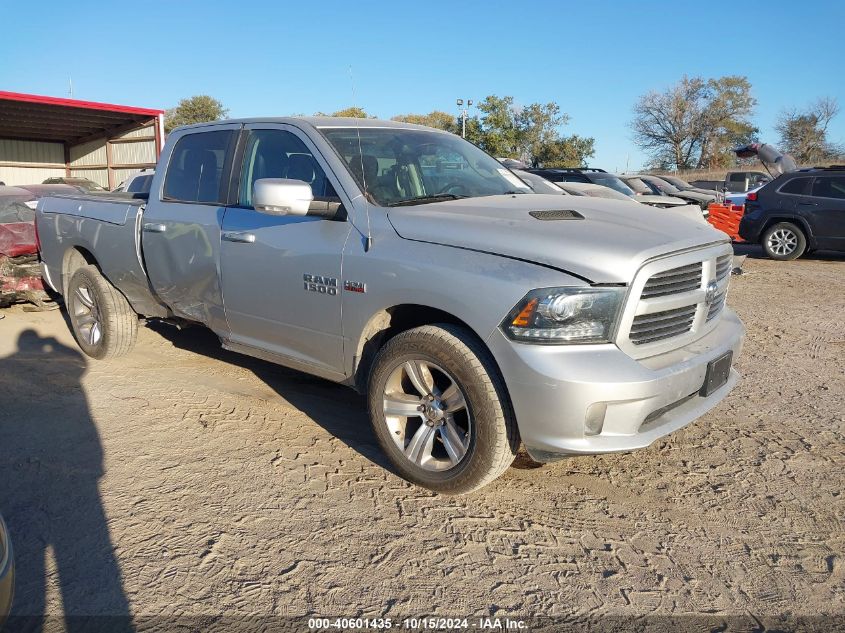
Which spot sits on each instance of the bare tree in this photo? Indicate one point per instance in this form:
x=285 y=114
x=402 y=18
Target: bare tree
x=803 y=133
x=694 y=122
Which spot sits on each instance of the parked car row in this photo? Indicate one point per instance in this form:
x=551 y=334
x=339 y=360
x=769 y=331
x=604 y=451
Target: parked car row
x=626 y=185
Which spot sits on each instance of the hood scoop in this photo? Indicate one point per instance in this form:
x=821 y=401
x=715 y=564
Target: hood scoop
x=556 y=214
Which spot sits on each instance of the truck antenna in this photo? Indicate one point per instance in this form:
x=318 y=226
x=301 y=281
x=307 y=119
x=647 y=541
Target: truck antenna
x=368 y=240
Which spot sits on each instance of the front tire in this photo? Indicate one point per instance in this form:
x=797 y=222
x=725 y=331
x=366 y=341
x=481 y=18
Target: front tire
x=784 y=241
x=440 y=410
x=103 y=322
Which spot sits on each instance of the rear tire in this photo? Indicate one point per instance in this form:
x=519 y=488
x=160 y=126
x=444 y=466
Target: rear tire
x=784 y=241
x=103 y=322
x=440 y=410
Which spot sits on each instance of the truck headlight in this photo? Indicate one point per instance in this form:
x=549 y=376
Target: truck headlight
x=559 y=316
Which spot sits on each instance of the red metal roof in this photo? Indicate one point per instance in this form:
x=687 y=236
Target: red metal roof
x=70 y=121
x=75 y=103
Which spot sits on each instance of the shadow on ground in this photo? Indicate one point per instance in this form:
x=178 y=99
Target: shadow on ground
x=755 y=251
x=50 y=465
x=339 y=410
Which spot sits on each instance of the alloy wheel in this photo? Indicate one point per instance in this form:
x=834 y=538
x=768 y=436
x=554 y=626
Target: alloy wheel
x=782 y=242
x=86 y=314
x=427 y=415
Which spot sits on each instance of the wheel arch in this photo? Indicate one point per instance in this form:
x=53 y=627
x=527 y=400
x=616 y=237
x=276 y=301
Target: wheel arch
x=388 y=322
x=75 y=258
x=800 y=222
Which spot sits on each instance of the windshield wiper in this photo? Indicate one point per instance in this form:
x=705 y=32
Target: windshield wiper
x=423 y=199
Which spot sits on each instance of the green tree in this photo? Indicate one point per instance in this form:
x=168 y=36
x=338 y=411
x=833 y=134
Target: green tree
x=530 y=133
x=725 y=121
x=196 y=109
x=568 y=151
x=803 y=133
x=500 y=134
x=353 y=111
x=436 y=119
x=538 y=125
x=695 y=122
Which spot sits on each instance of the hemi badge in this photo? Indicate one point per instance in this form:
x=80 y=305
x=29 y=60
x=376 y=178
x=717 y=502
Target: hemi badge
x=355 y=286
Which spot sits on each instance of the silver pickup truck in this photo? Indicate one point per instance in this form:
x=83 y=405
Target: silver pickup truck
x=408 y=264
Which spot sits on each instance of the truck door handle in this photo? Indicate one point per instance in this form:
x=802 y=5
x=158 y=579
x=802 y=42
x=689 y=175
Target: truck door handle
x=241 y=238
x=151 y=227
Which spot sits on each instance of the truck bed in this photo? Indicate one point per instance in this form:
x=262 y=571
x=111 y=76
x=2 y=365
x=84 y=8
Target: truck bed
x=108 y=224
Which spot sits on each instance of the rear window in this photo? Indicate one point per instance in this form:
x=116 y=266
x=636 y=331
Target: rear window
x=195 y=170
x=141 y=184
x=796 y=186
x=829 y=187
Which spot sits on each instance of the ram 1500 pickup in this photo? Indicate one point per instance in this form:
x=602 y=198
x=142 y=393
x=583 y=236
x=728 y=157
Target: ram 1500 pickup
x=408 y=264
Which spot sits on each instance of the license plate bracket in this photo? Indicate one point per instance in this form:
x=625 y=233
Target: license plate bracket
x=718 y=371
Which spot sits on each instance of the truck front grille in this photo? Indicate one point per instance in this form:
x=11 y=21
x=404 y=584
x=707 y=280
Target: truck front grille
x=658 y=326
x=674 y=281
x=679 y=300
x=723 y=266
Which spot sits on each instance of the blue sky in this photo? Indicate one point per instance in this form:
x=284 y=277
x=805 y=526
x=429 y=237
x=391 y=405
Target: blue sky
x=265 y=57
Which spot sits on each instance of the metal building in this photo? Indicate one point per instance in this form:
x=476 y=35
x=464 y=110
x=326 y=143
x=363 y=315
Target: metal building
x=44 y=137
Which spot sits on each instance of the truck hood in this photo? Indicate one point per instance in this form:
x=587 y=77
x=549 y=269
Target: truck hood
x=695 y=195
x=607 y=244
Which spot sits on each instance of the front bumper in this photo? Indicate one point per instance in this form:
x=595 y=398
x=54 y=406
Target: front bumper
x=7 y=573
x=555 y=389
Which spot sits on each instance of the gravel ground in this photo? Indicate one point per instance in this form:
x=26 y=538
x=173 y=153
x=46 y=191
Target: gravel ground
x=183 y=480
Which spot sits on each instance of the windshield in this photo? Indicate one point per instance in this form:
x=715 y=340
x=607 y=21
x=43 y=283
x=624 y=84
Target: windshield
x=638 y=186
x=401 y=166
x=680 y=184
x=16 y=208
x=609 y=180
x=600 y=191
x=664 y=186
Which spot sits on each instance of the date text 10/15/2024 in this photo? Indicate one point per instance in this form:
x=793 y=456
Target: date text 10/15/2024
x=417 y=624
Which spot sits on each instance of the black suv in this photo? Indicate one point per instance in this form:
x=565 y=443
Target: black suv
x=800 y=211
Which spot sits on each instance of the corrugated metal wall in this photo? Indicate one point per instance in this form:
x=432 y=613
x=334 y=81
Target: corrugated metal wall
x=91 y=153
x=28 y=175
x=122 y=174
x=100 y=176
x=140 y=153
x=31 y=162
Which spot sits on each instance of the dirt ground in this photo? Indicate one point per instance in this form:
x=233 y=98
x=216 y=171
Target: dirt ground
x=183 y=480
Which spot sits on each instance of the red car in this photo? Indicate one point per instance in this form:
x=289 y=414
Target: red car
x=20 y=271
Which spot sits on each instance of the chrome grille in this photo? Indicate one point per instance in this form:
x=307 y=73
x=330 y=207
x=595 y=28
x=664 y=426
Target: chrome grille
x=723 y=266
x=673 y=301
x=717 y=305
x=657 y=326
x=674 y=281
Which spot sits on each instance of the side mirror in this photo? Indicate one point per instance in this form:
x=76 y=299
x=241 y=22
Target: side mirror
x=282 y=196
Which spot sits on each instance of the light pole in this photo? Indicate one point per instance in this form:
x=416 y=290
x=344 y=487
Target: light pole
x=463 y=111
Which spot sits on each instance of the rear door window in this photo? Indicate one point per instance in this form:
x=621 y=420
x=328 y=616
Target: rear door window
x=796 y=186
x=195 y=170
x=829 y=187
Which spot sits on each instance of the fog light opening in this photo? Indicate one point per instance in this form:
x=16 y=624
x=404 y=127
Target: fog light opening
x=594 y=420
